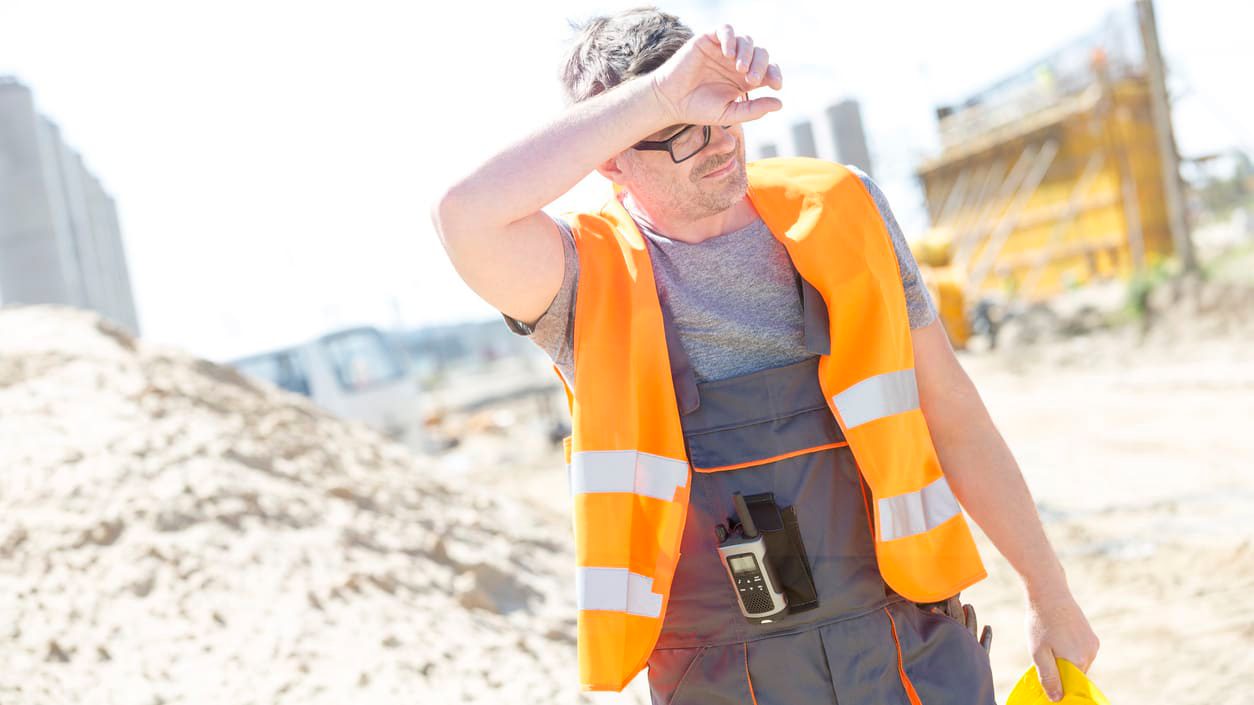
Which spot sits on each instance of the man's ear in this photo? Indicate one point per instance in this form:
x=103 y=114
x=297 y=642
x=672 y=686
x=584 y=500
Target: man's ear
x=612 y=169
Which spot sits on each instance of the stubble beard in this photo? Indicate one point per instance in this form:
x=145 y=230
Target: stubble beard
x=710 y=197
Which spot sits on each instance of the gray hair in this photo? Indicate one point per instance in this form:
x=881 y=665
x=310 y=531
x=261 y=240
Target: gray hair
x=614 y=49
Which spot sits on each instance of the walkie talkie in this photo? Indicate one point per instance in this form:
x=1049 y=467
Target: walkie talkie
x=752 y=577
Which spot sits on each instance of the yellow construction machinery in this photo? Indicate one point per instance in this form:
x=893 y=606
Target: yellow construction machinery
x=1051 y=179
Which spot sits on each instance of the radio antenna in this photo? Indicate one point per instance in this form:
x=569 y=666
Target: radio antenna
x=746 y=520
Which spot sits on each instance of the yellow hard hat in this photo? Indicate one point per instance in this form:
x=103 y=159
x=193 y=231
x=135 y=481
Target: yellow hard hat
x=1076 y=687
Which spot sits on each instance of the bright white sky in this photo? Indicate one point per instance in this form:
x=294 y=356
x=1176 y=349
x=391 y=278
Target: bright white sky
x=274 y=162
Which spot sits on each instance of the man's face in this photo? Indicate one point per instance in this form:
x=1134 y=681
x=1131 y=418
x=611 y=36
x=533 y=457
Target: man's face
x=706 y=184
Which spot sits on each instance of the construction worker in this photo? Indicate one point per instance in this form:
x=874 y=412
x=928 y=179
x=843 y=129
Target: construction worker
x=748 y=338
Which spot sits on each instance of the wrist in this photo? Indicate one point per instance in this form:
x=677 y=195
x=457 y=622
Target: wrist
x=1049 y=587
x=663 y=107
x=635 y=110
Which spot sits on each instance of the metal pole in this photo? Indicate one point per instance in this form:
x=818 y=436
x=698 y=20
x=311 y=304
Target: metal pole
x=1160 y=112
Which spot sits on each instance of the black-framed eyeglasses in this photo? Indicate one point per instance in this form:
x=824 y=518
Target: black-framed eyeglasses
x=682 y=145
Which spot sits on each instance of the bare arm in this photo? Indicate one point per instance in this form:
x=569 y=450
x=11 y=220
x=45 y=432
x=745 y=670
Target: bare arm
x=987 y=481
x=490 y=221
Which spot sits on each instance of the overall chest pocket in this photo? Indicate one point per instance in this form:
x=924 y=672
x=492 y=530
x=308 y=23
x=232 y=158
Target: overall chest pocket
x=749 y=444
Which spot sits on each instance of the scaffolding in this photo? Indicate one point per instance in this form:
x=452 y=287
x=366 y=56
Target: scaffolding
x=1056 y=176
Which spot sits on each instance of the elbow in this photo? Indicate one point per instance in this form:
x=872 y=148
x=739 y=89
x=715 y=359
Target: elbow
x=448 y=211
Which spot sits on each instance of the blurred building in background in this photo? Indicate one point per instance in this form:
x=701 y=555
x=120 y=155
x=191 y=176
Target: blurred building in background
x=60 y=242
x=848 y=138
x=845 y=121
x=803 y=140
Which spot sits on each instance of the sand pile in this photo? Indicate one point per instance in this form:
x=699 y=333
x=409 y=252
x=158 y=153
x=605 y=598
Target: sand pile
x=171 y=532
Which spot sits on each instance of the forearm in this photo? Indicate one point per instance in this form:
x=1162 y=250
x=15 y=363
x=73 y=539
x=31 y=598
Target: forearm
x=987 y=481
x=531 y=173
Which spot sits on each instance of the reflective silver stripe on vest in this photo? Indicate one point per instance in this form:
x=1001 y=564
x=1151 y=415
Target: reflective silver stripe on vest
x=617 y=590
x=915 y=512
x=593 y=471
x=876 y=397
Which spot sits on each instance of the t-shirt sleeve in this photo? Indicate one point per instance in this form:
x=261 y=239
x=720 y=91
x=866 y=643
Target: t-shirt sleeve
x=919 y=304
x=554 y=331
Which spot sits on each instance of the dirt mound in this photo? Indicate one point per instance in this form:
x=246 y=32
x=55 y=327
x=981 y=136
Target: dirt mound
x=172 y=532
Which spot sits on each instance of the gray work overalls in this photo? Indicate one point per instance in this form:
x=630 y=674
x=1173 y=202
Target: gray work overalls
x=854 y=646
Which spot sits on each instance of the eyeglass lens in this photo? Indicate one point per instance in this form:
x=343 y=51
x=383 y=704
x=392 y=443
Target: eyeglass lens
x=689 y=142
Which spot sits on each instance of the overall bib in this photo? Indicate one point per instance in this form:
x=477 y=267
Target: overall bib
x=771 y=431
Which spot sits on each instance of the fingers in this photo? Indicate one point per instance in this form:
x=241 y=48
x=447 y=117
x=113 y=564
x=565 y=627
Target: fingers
x=968 y=618
x=1093 y=649
x=739 y=49
x=1089 y=654
x=1088 y=662
x=744 y=53
x=986 y=639
x=773 y=78
x=752 y=69
x=1081 y=661
x=748 y=110
x=726 y=41
x=953 y=608
x=750 y=60
x=1047 y=671
x=757 y=66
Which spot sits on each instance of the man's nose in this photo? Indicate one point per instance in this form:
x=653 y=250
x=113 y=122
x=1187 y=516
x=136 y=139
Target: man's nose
x=722 y=137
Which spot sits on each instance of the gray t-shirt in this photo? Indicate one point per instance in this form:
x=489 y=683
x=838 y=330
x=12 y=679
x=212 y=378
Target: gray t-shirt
x=733 y=297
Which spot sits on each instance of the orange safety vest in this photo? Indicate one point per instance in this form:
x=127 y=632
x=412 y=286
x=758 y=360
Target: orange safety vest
x=629 y=472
